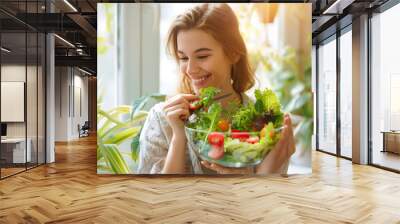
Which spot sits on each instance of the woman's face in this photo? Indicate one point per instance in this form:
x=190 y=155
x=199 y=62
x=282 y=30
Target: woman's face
x=203 y=61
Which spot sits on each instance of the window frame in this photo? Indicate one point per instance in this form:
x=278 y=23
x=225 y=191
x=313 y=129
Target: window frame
x=334 y=37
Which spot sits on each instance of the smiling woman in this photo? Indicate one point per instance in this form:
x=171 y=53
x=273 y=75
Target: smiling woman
x=210 y=30
x=206 y=43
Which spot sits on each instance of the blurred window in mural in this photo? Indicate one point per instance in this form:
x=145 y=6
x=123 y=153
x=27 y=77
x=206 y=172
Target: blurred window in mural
x=327 y=97
x=169 y=76
x=107 y=49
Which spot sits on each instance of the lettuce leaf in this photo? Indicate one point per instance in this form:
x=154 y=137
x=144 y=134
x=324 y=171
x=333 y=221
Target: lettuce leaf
x=207 y=95
x=243 y=119
x=267 y=102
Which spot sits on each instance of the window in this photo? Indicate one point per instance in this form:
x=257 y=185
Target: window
x=22 y=66
x=327 y=97
x=385 y=89
x=346 y=94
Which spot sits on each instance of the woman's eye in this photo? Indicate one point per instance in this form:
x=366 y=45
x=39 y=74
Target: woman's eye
x=203 y=57
x=183 y=59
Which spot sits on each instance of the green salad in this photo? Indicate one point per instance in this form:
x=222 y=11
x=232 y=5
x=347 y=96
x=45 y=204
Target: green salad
x=239 y=134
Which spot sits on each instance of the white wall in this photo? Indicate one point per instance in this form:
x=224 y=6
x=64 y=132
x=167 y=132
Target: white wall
x=61 y=103
x=33 y=126
x=13 y=73
x=70 y=83
x=12 y=100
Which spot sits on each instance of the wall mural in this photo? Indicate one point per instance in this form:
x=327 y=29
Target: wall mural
x=232 y=94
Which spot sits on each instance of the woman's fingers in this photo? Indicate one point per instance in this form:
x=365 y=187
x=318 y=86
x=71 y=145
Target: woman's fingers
x=181 y=110
x=291 y=146
x=286 y=138
x=219 y=169
x=281 y=152
x=178 y=113
x=206 y=164
x=282 y=143
x=190 y=97
x=180 y=99
x=288 y=122
x=177 y=107
x=213 y=166
x=175 y=101
x=287 y=132
x=287 y=119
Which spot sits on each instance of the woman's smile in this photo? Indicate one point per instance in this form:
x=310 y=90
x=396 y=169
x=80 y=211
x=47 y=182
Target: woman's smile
x=201 y=81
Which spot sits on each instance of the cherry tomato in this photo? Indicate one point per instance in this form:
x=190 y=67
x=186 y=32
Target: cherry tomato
x=216 y=152
x=223 y=125
x=253 y=139
x=195 y=105
x=216 y=139
x=242 y=136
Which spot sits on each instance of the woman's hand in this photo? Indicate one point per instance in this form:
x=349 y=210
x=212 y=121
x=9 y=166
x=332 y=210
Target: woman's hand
x=274 y=160
x=283 y=150
x=176 y=110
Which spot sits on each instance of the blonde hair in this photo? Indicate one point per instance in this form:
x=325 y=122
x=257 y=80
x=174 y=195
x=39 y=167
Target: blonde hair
x=219 y=21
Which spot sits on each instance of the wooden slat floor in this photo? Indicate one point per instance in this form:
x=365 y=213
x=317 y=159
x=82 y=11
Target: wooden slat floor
x=70 y=191
x=10 y=171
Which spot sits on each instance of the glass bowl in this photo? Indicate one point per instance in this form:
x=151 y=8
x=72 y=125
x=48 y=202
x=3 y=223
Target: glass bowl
x=240 y=149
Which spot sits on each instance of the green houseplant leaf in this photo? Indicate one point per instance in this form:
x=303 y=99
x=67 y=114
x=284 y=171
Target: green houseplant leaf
x=118 y=125
x=114 y=159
